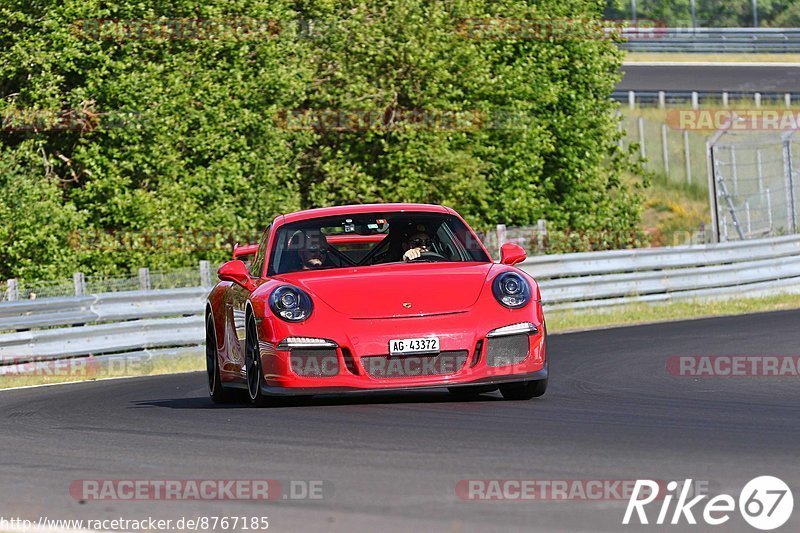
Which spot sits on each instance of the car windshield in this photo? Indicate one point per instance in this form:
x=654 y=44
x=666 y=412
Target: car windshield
x=373 y=239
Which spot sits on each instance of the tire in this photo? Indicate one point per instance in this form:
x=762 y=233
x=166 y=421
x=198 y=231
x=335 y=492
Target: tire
x=252 y=361
x=472 y=391
x=216 y=391
x=524 y=390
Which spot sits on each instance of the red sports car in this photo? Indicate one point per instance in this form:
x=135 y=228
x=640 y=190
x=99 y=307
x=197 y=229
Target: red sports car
x=374 y=298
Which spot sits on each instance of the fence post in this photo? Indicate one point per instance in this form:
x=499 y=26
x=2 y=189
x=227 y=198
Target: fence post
x=734 y=171
x=712 y=190
x=541 y=233
x=12 y=290
x=747 y=214
x=759 y=170
x=641 y=137
x=205 y=273
x=769 y=208
x=687 y=156
x=79 y=281
x=144 y=279
x=791 y=217
x=621 y=141
x=664 y=149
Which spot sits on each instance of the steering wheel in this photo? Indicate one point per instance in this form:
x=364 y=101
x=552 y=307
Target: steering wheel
x=429 y=256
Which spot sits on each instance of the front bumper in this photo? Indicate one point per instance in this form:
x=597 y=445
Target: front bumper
x=358 y=361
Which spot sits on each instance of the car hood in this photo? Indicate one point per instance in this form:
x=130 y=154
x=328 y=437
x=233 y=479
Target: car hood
x=396 y=290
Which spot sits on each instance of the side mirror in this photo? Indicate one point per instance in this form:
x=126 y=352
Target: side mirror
x=236 y=271
x=511 y=254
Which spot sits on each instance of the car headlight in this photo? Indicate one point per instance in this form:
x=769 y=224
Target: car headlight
x=511 y=290
x=290 y=303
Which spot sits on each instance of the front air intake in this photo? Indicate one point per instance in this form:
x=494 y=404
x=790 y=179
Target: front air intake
x=314 y=363
x=508 y=350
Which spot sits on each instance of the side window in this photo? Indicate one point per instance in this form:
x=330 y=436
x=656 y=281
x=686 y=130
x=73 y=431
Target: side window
x=258 y=262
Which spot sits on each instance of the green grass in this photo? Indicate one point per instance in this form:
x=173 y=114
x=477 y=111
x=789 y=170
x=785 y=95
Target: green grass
x=159 y=365
x=565 y=321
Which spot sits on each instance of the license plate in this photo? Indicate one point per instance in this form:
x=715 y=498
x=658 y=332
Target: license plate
x=409 y=346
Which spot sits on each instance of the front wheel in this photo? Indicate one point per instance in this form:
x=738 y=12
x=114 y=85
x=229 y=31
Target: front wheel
x=524 y=390
x=216 y=391
x=252 y=362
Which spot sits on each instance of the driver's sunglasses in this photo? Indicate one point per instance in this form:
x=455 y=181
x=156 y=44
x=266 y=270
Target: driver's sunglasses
x=419 y=243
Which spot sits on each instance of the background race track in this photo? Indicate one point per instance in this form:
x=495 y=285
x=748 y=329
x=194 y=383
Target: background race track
x=393 y=461
x=710 y=77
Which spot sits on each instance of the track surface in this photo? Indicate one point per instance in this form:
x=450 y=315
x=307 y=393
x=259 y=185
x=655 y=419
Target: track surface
x=710 y=78
x=612 y=412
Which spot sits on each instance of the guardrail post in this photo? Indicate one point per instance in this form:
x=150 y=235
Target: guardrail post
x=205 y=273
x=541 y=233
x=695 y=100
x=757 y=98
x=725 y=99
x=662 y=101
x=144 y=279
x=664 y=149
x=12 y=290
x=501 y=237
x=632 y=99
x=79 y=281
x=787 y=98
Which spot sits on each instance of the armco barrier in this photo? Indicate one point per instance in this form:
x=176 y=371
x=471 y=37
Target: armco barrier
x=713 y=40
x=129 y=322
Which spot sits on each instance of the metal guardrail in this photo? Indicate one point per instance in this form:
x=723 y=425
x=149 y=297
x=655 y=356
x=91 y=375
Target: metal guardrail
x=602 y=279
x=779 y=40
x=129 y=322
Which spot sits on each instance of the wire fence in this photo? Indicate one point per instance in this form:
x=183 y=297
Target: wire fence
x=756 y=185
x=79 y=284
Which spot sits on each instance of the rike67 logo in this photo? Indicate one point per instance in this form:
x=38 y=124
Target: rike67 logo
x=765 y=503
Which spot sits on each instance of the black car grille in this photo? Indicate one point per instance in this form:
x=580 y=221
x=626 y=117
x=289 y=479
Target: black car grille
x=405 y=366
x=314 y=363
x=510 y=350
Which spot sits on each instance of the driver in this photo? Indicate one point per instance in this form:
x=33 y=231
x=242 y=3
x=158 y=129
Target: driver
x=415 y=245
x=311 y=249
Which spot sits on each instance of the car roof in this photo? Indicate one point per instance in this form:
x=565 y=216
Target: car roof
x=343 y=210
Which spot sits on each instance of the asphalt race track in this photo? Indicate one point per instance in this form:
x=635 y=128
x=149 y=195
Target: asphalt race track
x=392 y=462
x=716 y=78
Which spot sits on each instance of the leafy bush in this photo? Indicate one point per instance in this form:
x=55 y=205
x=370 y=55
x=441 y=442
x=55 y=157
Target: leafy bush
x=150 y=136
